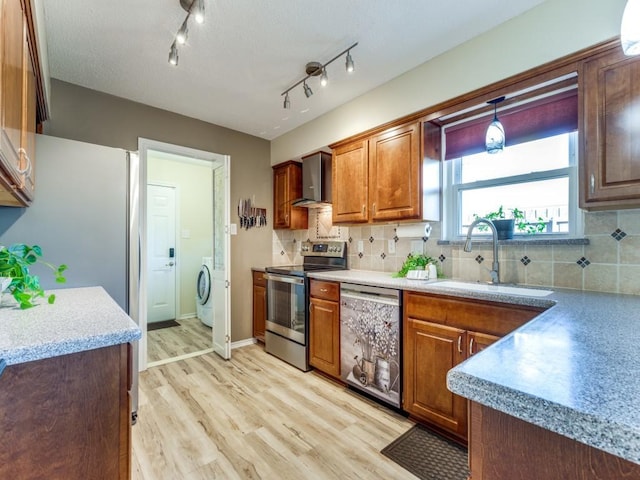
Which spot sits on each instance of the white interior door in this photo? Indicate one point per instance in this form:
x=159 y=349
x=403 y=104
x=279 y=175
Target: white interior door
x=161 y=261
x=221 y=255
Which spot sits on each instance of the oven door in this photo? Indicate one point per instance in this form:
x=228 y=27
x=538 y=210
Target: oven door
x=286 y=307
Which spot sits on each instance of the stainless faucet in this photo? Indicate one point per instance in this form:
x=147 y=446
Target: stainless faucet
x=495 y=272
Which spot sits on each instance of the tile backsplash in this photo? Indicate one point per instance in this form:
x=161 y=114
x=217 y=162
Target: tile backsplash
x=609 y=263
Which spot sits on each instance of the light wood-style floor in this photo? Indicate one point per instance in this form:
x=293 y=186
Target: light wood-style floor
x=256 y=417
x=191 y=336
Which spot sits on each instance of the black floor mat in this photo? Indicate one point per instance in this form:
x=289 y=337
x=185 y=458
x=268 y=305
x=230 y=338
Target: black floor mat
x=428 y=455
x=163 y=324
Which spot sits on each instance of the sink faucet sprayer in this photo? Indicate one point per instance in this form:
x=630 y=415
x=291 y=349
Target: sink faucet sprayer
x=495 y=272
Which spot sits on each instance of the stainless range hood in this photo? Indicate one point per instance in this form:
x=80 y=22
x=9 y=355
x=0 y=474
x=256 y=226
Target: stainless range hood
x=316 y=181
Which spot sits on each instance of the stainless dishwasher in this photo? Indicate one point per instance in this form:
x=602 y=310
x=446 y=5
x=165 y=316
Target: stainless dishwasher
x=370 y=341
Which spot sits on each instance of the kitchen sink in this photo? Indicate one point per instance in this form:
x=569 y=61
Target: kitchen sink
x=491 y=288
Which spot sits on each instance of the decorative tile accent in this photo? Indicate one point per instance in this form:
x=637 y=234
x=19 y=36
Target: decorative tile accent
x=525 y=260
x=442 y=258
x=395 y=239
x=479 y=259
x=350 y=239
x=281 y=252
x=382 y=255
x=424 y=239
x=294 y=241
x=618 y=234
x=583 y=262
x=360 y=255
x=371 y=239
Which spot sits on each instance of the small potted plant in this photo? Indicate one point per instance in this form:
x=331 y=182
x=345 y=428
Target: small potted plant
x=505 y=226
x=415 y=261
x=15 y=262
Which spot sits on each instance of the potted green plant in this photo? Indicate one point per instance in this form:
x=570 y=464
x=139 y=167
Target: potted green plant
x=415 y=261
x=506 y=225
x=15 y=262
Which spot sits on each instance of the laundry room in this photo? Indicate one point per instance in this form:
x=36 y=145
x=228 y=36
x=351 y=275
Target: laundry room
x=180 y=249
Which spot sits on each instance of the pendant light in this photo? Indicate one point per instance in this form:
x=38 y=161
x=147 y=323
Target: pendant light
x=630 y=28
x=495 y=139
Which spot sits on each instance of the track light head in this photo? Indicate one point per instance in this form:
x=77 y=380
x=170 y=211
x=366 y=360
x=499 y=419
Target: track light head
x=183 y=32
x=173 y=55
x=198 y=11
x=307 y=90
x=348 y=64
x=324 y=79
x=287 y=102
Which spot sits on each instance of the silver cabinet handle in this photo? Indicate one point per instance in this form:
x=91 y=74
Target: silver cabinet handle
x=364 y=209
x=373 y=209
x=471 y=346
x=460 y=344
x=592 y=183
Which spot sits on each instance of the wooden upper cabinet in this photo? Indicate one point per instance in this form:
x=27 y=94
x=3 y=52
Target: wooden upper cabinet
x=287 y=187
x=18 y=105
x=394 y=173
x=378 y=178
x=610 y=144
x=350 y=182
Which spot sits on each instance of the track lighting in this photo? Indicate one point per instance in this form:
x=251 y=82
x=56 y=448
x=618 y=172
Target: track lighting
x=173 y=55
x=195 y=7
x=495 y=139
x=630 y=28
x=307 y=90
x=315 y=69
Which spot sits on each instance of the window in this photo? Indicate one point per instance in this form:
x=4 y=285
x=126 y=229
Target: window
x=536 y=173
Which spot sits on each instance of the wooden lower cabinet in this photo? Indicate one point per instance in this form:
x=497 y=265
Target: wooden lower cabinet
x=430 y=351
x=439 y=333
x=502 y=447
x=259 y=305
x=67 y=416
x=324 y=327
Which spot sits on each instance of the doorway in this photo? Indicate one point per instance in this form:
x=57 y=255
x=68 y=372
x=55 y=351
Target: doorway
x=186 y=198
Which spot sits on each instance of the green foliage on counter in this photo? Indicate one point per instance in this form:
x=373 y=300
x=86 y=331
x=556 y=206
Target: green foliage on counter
x=15 y=262
x=415 y=261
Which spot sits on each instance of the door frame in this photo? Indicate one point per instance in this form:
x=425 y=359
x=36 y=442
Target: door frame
x=139 y=234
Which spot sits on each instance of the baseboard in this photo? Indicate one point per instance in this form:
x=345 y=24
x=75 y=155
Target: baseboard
x=185 y=316
x=243 y=343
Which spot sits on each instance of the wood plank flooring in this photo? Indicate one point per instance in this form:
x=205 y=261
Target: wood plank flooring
x=256 y=417
x=191 y=336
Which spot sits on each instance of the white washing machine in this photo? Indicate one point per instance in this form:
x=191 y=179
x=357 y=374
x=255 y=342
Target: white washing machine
x=204 y=290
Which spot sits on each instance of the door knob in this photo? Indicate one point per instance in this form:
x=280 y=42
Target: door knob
x=170 y=264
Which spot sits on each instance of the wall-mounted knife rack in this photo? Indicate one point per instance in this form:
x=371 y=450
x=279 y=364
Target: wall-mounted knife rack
x=251 y=216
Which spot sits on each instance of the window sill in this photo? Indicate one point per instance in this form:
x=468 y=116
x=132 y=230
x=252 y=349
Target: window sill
x=520 y=241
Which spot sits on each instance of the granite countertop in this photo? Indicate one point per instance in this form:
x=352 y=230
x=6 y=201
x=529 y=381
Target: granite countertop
x=80 y=319
x=573 y=369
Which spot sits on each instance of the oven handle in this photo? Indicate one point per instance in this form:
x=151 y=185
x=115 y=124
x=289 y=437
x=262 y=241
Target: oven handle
x=280 y=278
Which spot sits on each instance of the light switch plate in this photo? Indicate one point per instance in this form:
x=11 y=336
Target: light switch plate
x=360 y=246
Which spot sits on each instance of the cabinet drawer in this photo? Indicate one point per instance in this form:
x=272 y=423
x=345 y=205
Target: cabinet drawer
x=326 y=290
x=258 y=279
x=488 y=317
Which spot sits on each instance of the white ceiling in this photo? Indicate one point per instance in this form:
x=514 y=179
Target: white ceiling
x=235 y=66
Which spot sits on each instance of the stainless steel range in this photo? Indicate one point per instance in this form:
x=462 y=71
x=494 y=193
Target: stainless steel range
x=287 y=332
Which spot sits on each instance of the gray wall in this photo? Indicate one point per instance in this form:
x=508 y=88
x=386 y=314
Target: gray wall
x=89 y=116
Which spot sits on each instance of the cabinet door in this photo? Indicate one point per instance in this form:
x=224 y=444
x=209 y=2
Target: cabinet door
x=610 y=149
x=259 y=311
x=28 y=139
x=394 y=171
x=324 y=336
x=479 y=341
x=287 y=187
x=350 y=182
x=431 y=350
x=13 y=42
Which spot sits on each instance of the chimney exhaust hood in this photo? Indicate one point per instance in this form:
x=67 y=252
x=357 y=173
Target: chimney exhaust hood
x=316 y=181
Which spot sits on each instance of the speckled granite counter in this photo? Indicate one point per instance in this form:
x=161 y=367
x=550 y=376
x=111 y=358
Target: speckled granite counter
x=574 y=369
x=80 y=319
